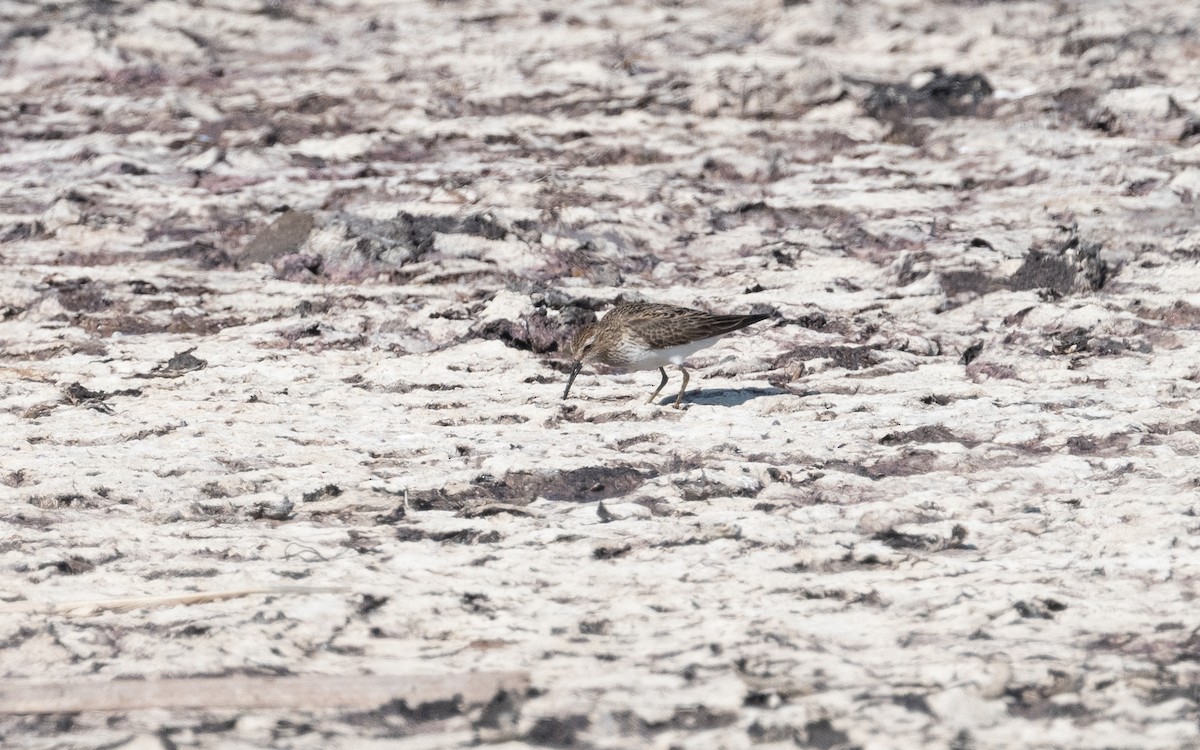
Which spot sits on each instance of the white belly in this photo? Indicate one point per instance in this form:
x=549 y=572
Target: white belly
x=675 y=355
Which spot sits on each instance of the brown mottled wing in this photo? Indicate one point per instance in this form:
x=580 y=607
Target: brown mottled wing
x=663 y=326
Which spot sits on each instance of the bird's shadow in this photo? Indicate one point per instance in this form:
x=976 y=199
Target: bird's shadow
x=724 y=396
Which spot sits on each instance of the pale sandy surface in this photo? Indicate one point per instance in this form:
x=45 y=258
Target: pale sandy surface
x=853 y=537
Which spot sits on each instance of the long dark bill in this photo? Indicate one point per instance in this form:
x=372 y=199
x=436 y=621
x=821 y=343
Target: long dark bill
x=574 y=371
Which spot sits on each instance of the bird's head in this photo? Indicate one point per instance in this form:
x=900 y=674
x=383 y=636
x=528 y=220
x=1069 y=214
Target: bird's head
x=582 y=347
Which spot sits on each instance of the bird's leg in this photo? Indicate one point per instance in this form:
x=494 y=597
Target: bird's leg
x=658 y=390
x=682 y=388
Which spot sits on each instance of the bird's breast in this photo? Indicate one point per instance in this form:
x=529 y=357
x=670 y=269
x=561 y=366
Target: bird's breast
x=642 y=357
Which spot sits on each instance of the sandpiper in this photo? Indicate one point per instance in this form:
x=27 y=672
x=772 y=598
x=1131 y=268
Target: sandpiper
x=642 y=336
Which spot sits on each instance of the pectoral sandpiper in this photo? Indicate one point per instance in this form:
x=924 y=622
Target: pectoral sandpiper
x=642 y=336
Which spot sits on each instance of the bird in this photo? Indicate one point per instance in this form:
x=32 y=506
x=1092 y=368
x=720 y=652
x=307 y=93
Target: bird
x=645 y=335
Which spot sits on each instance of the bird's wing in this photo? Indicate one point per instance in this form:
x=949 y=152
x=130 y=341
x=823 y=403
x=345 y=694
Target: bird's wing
x=680 y=326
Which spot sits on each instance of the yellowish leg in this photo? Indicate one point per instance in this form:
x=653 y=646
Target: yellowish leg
x=658 y=390
x=682 y=388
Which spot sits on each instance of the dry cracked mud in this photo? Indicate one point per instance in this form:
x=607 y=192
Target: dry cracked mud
x=283 y=290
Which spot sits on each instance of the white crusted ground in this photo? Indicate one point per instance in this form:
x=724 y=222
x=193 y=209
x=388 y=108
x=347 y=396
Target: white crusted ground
x=854 y=536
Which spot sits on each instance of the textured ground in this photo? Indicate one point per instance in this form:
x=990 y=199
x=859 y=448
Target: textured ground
x=282 y=287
